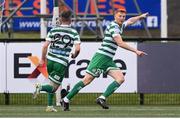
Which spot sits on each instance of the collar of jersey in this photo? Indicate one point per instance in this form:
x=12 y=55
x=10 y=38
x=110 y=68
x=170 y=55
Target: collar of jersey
x=65 y=25
x=117 y=23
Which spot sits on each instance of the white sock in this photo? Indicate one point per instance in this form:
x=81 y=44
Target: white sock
x=102 y=97
x=66 y=100
x=50 y=106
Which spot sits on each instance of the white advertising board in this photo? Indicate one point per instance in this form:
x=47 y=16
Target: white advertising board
x=2 y=68
x=19 y=67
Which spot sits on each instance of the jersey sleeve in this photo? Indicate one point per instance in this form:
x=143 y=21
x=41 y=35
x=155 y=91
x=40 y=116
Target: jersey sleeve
x=77 y=38
x=49 y=36
x=114 y=30
x=124 y=25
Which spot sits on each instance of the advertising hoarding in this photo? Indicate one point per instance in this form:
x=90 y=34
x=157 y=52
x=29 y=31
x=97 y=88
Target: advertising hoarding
x=2 y=68
x=159 y=72
x=104 y=8
x=19 y=67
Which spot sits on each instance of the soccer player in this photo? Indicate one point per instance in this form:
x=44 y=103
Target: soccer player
x=57 y=49
x=102 y=61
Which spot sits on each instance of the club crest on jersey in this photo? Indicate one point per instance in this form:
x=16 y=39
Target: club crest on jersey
x=97 y=72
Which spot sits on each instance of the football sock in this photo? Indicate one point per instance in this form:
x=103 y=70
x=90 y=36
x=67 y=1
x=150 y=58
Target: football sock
x=102 y=97
x=48 y=88
x=66 y=99
x=75 y=90
x=50 y=99
x=111 y=88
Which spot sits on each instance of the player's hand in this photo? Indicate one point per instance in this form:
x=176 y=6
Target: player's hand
x=141 y=53
x=41 y=63
x=144 y=15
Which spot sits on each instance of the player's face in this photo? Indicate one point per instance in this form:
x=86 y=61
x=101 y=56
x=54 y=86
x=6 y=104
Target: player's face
x=120 y=17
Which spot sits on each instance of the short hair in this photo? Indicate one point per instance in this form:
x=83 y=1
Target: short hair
x=122 y=9
x=66 y=15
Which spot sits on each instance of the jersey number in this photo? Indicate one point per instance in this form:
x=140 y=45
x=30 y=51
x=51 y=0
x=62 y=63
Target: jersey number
x=66 y=39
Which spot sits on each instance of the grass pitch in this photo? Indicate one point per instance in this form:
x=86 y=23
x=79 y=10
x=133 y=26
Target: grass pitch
x=91 y=111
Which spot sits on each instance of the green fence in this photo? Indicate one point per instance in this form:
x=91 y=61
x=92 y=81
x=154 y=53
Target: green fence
x=89 y=99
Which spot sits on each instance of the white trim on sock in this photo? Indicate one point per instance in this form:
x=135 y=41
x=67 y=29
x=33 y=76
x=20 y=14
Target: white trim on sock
x=66 y=100
x=102 y=97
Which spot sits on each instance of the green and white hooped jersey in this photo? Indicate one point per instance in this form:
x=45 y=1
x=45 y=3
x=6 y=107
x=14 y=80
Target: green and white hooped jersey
x=109 y=46
x=62 y=39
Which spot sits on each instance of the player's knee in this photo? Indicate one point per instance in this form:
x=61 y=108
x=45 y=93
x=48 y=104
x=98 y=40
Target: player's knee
x=55 y=87
x=54 y=90
x=87 y=79
x=86 y=82
x=120 y=80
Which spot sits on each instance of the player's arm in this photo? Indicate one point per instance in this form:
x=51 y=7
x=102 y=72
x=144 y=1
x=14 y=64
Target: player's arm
x=44 y=52
x=77 y=51
x=122 y=44
x=77 y=43
x=133 y=20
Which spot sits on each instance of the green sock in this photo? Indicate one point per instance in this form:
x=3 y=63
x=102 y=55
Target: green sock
x=111 y=88
x=50 y=99
x=75 y=90
x=48 y=88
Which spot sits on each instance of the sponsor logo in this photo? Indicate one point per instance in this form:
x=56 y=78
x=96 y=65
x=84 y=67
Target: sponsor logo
x=79 y=68
x=152 y=21
x=34 y=60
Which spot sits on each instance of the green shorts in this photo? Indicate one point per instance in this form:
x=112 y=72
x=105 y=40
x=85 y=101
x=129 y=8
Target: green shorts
x=100 y=64
x=56 y=71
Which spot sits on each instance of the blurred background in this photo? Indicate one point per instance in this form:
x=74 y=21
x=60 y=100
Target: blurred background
x=21 y=18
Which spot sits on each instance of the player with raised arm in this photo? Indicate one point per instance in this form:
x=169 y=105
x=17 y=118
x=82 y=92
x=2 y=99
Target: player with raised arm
x=57 y=49
x=102 y=61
